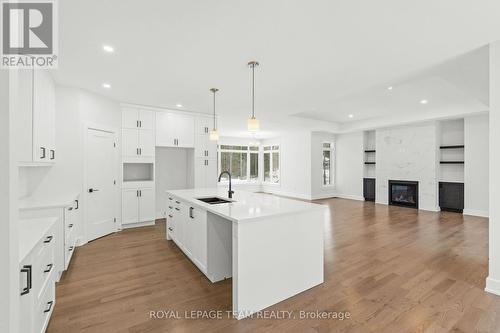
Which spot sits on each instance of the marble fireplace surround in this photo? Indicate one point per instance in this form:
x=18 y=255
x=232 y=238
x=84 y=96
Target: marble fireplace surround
x=408 y=153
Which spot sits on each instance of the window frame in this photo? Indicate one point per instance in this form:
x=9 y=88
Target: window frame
x=248 y=151
x=331 y=149
x=270 y=151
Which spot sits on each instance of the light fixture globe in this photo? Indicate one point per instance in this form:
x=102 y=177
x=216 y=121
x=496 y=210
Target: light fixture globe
x=214 y=135
x=253 y=124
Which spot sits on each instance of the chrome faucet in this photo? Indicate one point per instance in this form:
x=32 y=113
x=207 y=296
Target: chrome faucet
x=230 y=192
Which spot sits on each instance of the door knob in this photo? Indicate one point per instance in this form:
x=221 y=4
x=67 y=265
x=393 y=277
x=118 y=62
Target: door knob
x=91 y=190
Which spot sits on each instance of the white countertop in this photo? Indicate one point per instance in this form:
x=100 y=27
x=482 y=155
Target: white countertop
x=31 y=231
x=55 y=202
x=246 y=206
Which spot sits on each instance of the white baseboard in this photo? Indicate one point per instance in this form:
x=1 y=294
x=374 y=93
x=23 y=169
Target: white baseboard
x=475 y=212
x=492 y=286
x=324 y=196
x=350 y=197
x=431 y=209
x=136 y=225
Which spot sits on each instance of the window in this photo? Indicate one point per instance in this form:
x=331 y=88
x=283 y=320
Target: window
x=241 y=161
x=327 y=164
x=272 y=164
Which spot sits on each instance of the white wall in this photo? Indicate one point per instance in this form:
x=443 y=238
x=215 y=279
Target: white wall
x=349 y=165
x=408 y=153
x=9 y=257
x=295 y=165
x=74 y=109
x=172 y=173
x=493 y=280
x=476 y=165
x=318 y=190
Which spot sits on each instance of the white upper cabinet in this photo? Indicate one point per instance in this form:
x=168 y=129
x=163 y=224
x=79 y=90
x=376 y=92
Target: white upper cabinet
x=137 y=119
x=203 y=125
x=138 y=138
x=174 y=130
x=34 y=100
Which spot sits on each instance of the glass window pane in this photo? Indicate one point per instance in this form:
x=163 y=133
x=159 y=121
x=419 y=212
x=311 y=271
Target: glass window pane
x=276 y=168
x=254 y=148
x=326 y=145
x=254 y=166
x=326 y=167
x=225 y=164
x=267 y=167
x=267 y=148
x=239 y=166
x=276 y=147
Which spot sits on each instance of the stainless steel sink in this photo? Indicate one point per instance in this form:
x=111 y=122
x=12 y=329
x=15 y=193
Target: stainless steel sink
x=213 y=200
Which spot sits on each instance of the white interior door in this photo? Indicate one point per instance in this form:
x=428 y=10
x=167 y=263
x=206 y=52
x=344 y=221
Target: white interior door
x=100 y=176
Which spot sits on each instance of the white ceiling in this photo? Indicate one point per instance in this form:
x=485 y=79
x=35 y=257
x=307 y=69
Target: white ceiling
x=319 y=59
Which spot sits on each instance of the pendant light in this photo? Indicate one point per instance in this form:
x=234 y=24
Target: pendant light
x=214 y=133
x=253 y=123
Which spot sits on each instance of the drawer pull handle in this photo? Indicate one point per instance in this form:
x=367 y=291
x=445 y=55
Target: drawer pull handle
x=177 y=202
x=176 y=208
x=170 y=207
x=170 y=228
x=49 y=268
x=170 y=215
x=71 y=248
x=170 y=199
x=77 y=204
x=48 y=239
x=70 y=225
x=26 y=269
x=49 y=308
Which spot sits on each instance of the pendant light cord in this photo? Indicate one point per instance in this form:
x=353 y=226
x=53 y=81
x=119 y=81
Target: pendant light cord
x=253 y=91
x=215 y=125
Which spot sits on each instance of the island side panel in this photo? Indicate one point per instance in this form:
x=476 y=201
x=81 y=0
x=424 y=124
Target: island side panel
x=276 y=258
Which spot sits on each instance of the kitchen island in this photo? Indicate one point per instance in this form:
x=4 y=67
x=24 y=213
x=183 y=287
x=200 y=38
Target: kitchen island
x=272 y=247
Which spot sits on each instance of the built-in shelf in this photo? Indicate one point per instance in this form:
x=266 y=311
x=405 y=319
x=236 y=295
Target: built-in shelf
x=138 y=172
x=452 y=162
x=369 y=162
x=370 y=151
x=452 y=147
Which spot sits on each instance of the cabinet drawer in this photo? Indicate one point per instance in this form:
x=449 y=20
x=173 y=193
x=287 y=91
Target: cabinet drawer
x=42 y=269
x=44 y=309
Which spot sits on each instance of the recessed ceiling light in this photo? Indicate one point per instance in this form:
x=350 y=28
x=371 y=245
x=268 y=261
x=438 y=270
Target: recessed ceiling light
x=106 y=85
x=424 y=101
x=351 y=116
x=178 y=105
x=389 y=88
x=108 y=48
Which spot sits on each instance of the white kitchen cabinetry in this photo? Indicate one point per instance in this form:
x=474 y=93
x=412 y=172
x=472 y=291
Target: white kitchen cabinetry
x=34 y=101
x=66 y=228
x=175 y=130
x=138 y=138
x=205 y=173
x=205 y=169
x=36 y=279
x=137 y=119
x=187 y=227
x=138 y=205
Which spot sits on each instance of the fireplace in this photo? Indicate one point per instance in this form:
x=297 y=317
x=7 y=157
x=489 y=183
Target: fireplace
x=403 y=193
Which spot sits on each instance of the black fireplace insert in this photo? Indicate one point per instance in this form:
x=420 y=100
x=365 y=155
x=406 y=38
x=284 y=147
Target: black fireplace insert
x=403 y=193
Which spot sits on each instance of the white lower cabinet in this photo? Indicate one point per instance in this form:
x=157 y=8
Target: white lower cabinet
x=138 y=205
x=187 y=227
x=37 y=273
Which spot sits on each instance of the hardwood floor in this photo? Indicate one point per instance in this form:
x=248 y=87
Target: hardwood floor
x=394 y=269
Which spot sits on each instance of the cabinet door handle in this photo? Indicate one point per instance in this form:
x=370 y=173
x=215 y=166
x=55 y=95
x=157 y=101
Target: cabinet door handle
x=26 y=269
x=49 y=308
x=176 y=208
x=137 y=123
x=140 y=123
x=52 y=154
x=170 y=207
x=140 y=193
x=140 y=151
x=170 y=198
x=48 y=239
x=136 y=193
x=170 y=228
x=71 y=248
x=43 y=152
x=70 y=225
x=77 y=204
x=177 y=202
x=169 y=215
x=191 y=212
x=49 y=268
